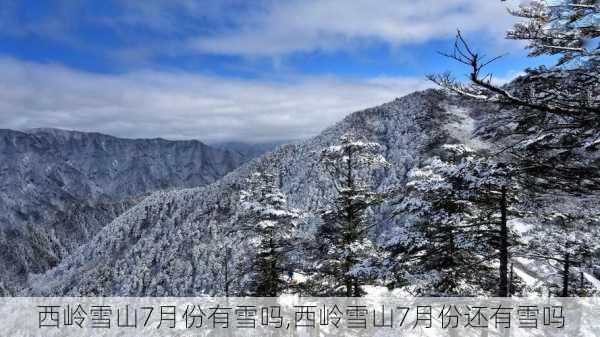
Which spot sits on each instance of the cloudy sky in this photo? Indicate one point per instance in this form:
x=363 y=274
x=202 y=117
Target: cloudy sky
x=227 y=70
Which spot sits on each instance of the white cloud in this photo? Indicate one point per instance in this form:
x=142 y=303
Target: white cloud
x=307 y=25
x=262 y=27
x=181 y=105
x=508 y=77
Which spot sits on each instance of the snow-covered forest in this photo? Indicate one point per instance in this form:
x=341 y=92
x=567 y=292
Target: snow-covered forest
x=469 y=189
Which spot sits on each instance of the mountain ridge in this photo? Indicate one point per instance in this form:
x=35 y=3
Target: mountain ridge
x=172 y=243
x=59 y=187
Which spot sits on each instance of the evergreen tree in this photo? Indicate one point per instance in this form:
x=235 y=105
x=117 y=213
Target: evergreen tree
x=547 y=122
x=549 y=119
x=565 y=28
x=270 y=226
x=564 y=241
x=344 y=255
x=455 y=222
x=495 y=196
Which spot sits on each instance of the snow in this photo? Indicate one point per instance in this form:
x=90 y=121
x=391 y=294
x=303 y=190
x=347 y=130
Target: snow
x=528 y=279
x=462 y=127
x=594 y=281
x=204 y=221
x=176 y=243
x=520 y=225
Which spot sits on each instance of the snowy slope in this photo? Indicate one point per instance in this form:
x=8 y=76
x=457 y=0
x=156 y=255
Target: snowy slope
x=174 y=243
x=541 y=275
x=58 y=188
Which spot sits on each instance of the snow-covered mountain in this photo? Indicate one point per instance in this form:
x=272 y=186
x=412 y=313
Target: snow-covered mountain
x=58 y=188
x=178 y=243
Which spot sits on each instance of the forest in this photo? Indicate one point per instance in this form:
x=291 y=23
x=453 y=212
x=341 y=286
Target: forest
x=453 y=235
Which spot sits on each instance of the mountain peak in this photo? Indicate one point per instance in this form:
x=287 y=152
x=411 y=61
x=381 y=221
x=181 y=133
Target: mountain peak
x=172 y=243
x=61 y=186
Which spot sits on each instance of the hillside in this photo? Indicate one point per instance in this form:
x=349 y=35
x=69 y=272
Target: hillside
x=58 y=188
x=176 y=243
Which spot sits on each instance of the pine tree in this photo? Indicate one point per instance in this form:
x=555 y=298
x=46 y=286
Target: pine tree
x=548 y=119
x=564 y=241
x=455 y=222
x=565 y=27
x=344 y=255
x=270 y=225
x=495 y=195
x=434 y=248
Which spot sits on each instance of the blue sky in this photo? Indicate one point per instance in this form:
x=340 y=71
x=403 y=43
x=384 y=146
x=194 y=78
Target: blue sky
x=229 y=70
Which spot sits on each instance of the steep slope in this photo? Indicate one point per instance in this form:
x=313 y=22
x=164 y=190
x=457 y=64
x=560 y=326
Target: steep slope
x=178 y=243
x=58 y=188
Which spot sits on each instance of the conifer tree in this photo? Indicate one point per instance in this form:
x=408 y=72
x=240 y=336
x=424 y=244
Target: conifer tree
x=566 y=28
x=496 y=193
x=565 y=241
x=454 y=214
x=344 y=255
x=270 y=224
x=548 y=119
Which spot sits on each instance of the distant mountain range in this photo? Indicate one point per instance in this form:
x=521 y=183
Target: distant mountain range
x=58 y=188
x=249 y=150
